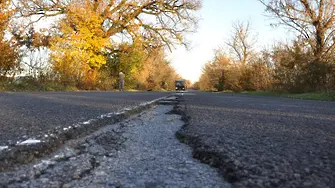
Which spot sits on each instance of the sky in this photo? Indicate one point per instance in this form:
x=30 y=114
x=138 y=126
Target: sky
x=215 y=27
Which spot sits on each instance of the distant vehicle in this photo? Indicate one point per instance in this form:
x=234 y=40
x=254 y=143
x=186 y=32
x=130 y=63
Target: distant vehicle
x=180 y=85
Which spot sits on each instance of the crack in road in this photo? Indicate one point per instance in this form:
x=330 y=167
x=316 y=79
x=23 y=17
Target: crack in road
x=22 y=153
x=270 y=149
x=139 y=152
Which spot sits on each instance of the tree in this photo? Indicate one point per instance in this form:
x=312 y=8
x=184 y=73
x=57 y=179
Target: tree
x=261 y=70
x=129 y=59
x=9 y=56
x=157 y=73
x=214 y=73
x=5 y=14
x=196 y=85
x=188 y=84
x=222 y=74
x=78 y=47
x=34 y=47
x=241 y=42
x=241 y=45
x=9 y=59
x=80 y=31
x=295 y=71
x=89 y=31
x=312 y=19
x=153 y=20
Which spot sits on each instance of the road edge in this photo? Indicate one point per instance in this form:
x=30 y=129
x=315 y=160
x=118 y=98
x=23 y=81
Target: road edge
x=21 y=153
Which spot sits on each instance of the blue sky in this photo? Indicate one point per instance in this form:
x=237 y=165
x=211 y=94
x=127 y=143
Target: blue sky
x=217 y=17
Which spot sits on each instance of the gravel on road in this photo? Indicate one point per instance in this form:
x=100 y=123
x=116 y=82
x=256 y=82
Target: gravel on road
x=140 y=152
x=262 y=141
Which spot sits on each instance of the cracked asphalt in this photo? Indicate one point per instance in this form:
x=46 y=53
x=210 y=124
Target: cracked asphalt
x=251 y=141
x=24 y=115
x=262 y=141
x=139 y=152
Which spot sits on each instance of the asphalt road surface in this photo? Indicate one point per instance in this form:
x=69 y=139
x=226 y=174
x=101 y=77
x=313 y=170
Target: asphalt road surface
x=141 y=151
x=262 y=141
x=253 y=141
x=24 y=115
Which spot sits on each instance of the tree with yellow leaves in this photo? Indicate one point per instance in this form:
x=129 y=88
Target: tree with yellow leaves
x=85 y=37
x=153 y=20
x=79 y=48
x=9 y=56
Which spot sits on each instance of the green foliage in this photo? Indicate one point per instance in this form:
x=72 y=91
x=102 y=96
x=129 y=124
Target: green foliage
x=143 y=69
x=129 y=59
x=323 y=96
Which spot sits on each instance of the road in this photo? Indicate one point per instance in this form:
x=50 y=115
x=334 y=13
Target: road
x=262 y=141
x=139 y=152
x=253 y=141
x=25 y=115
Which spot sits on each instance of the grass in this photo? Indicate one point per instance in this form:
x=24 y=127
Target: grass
x=28 y=86
x=322 y=96
x=34 y=86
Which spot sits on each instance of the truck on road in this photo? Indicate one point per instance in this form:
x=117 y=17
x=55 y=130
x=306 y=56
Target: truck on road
x=180 y=85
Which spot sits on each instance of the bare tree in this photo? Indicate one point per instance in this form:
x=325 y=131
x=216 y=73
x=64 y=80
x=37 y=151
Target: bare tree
x=241 y=42
x=313 y=19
